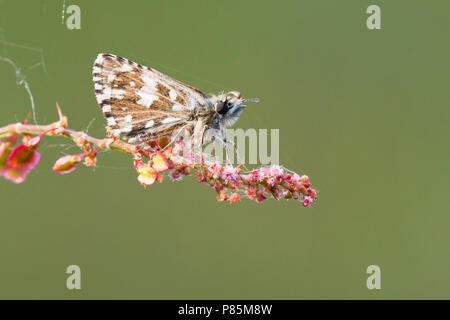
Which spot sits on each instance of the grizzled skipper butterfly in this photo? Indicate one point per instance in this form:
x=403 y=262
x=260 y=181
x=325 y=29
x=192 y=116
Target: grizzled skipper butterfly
x=145 y=104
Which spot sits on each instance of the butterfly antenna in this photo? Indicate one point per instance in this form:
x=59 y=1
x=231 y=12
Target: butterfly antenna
x=255 y=100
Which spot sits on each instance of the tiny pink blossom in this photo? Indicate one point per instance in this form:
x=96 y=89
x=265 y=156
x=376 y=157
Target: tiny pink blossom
x=175 y=175
x=222 y=195
x=229 y=174
x=271 y=181
x=179 y=147
x=251 y=191
x=91 y=157
x=307 y=201
x=218 y=186
x=295 y=195
x=260 y=197
x=189 y=158
x=295 y=178
x=304 y=178
x=257 y=175
x=235 y=197
x=277 y=193
x=215 y=169
x=275 y=171
x=312 y=193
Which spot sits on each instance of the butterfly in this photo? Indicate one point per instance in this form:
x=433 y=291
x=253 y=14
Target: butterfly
x=145 y=104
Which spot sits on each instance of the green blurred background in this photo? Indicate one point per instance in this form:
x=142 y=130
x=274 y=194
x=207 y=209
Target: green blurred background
x=364 y=113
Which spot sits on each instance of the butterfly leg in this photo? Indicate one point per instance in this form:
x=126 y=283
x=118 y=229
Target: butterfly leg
x=224 y=143
x=201 y=147
x=236 y=151
x=213 y=150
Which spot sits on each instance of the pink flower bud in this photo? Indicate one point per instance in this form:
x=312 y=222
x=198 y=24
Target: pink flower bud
x=67 y=164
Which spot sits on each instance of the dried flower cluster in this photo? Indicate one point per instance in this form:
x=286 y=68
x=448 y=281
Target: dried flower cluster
x=152 y=164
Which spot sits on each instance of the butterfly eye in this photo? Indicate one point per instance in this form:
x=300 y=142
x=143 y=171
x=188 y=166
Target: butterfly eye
x=222 y=107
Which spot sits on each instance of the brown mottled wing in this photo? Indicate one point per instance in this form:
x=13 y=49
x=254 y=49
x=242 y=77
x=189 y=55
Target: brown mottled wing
x=142 y=102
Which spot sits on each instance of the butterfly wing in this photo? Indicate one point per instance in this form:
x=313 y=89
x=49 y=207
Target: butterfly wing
x=141 y=102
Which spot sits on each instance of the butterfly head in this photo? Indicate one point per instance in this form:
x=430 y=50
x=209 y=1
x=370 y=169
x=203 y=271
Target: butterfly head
x=229 y=106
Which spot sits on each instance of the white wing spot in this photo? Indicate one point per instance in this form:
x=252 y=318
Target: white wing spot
x=170 y=119
x=177 y=107
x=124 y=108
x=106 y=108
x=149 y=82
x=111 y=121
x=146 y=99
x=96 y=70
x=128 y=118
x=125 y=68
x=111 y=77
x=150 y=124
x=127 y=128
x=117 y=93
x=172 y=94
x=132 y=84
x=103 y=96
